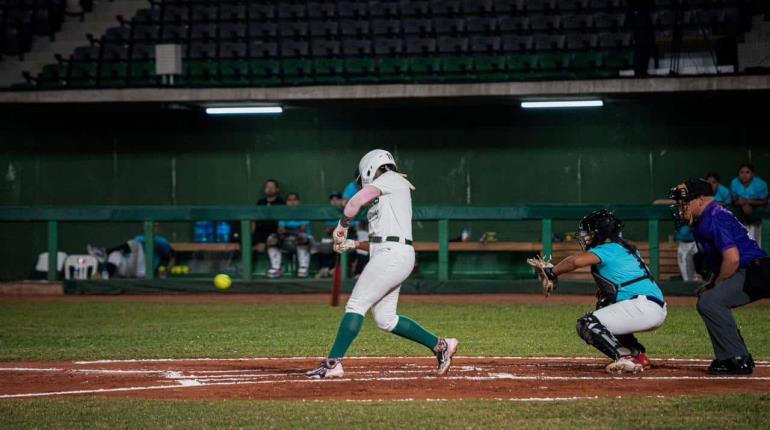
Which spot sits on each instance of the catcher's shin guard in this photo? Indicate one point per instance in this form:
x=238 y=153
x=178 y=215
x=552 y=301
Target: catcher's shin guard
x=595 y=334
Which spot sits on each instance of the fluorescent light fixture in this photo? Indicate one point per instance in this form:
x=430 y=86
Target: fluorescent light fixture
x=549 y=104
x=244 y=110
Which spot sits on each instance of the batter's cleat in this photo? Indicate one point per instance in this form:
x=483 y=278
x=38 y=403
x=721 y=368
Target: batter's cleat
x=274 y=273
x=445 y=349
x=625 y=364
x=642 y=360
x=329 y=368
x=732 y=366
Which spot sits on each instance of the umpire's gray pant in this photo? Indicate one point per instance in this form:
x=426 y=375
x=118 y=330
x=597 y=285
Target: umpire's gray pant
x=714 y=307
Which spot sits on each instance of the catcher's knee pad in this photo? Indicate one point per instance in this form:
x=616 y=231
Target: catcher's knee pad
x=594 y=333
x=273 y=240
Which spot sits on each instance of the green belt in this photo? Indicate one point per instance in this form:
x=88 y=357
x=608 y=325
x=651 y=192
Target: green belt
x=380 y=239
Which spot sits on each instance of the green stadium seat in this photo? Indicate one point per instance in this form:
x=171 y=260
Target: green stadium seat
x=234 y=73
x=490 y=68
x=265 y=73
x=53 y=76
x=142 y=74
x=618 y=59
x=202 y=73
x=425 y=68
x=361 y=70
x=297 y=72
x=457 y=68
x=393 y=69
x=113 y=75
x=586 y=60
x=83 y=75
x=329 y=71
x=552 y=61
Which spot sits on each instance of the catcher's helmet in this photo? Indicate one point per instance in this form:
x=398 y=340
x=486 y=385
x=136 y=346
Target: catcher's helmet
x=597 y=227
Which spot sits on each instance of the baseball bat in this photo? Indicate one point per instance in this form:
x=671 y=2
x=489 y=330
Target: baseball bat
x=337 y=282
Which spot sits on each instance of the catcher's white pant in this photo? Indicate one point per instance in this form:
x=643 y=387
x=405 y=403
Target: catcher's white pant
x=685 y=258
x=631 y=316
x=390 y=263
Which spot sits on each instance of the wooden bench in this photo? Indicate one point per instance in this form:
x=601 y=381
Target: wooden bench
x=668 y=259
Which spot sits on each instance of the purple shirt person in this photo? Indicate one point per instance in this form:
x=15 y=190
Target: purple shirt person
x=717 y=230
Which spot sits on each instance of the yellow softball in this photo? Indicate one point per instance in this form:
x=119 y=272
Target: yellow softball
x=222 y=281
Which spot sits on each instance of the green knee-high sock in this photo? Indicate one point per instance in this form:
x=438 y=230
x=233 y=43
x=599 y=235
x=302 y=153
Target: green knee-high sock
x=349 y=327
x=410 y=329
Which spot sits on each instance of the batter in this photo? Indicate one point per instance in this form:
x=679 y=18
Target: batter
x=391 y=261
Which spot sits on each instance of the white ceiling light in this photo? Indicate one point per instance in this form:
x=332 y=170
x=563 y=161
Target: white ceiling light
x=244 y=110
x=551 y=104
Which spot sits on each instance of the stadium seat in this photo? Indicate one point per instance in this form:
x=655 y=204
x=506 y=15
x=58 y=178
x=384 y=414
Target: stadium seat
x=234 y=73
x=393 y=69
x=388 y=47
x=329 y=70
x=297 y=72
x=113 y=75
x=424 y=68
x=456 y=68
x=360 y=70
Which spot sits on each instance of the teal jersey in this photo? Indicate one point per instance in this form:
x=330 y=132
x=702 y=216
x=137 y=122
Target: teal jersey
x=685 y=234
x=162 y=248
x=618 y=266
x=723 y=196
x=296 y=225
x=756 y=190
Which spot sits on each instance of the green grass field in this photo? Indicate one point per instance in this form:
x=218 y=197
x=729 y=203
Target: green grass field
x=93 y=330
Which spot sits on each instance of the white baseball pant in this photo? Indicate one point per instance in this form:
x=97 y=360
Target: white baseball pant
x=631 y=316
x=390 y=264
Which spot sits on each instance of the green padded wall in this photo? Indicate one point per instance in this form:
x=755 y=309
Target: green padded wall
x=630 y=151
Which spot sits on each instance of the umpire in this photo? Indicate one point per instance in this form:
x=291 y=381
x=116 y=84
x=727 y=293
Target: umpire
x=740 y=270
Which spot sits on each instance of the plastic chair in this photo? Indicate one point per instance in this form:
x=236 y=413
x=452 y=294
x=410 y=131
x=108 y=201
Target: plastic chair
x=80 y=267
x=42 y=261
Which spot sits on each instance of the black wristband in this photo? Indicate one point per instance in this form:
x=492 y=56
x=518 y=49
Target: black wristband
x=549 y=273
x=345 y=221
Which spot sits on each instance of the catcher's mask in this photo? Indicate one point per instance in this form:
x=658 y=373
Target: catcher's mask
x=684 y=193
x=597 y=227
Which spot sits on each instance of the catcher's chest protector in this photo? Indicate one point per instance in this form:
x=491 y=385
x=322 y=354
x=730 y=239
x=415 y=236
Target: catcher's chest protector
x=608 y=289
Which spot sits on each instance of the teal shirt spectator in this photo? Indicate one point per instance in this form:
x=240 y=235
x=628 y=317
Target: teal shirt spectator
x=162 y=250
x=350 y=190
x=685 y=234
x=757 y=189
x=296 y=225
x=618 y=266
x=723 y=196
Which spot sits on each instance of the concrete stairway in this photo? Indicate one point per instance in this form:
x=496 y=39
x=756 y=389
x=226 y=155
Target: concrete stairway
x=754 y=51
x=72 y=35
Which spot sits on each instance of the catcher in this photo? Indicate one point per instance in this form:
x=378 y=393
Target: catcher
x=628 y=299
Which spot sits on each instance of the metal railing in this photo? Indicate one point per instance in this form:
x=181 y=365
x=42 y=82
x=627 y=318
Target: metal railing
x=148 y=215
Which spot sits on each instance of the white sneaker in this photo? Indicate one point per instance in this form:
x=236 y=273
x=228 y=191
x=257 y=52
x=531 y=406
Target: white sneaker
x=274 y=273
x=624 y=364
x=302 y=273
x=445 y=350
x=329 y=368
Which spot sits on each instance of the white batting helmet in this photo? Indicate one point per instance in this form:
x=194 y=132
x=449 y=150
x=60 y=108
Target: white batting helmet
x=372 y=161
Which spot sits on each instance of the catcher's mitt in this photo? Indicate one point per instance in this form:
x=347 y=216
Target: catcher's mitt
x=544 y=269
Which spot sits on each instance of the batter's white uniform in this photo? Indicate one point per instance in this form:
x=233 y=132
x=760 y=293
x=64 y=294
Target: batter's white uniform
x=390 y=263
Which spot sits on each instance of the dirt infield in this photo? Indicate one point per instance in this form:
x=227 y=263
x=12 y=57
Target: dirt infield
x=368 y=379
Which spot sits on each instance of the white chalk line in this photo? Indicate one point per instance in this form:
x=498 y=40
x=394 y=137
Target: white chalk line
x=480 y=357
x=190 y=383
